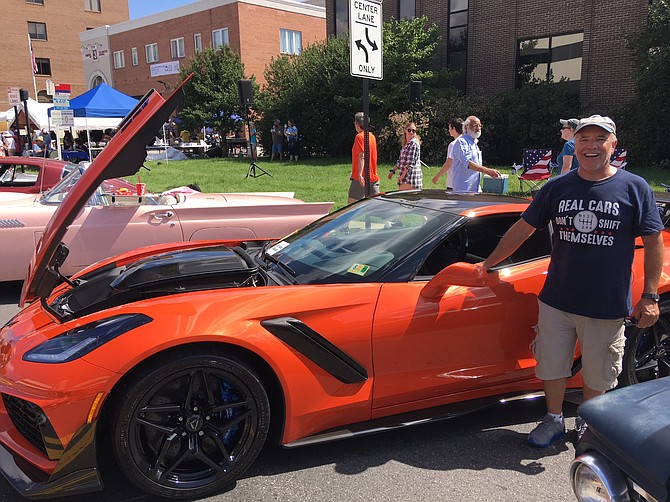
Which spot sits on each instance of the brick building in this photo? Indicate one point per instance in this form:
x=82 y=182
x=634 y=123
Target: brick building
x=148 y=52
x=495 y=44
x=53 y=27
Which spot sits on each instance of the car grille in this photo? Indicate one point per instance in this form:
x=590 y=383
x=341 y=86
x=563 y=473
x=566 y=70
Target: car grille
x=637 y=494
x=27 y=417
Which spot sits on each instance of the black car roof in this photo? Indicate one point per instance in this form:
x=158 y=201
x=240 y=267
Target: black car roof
x=452 y=202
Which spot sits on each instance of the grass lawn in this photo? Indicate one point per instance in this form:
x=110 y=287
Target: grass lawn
x=312 y=179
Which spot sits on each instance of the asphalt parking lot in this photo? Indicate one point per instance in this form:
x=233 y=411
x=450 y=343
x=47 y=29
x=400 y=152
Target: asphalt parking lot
x=479 y=457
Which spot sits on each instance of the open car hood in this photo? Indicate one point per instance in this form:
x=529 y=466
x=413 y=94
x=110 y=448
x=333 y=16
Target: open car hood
x=123 y=156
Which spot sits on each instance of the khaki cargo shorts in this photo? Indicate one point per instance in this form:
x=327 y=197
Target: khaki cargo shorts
x=602 y=342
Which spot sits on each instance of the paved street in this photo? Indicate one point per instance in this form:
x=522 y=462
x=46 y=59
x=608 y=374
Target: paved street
x=479 y=457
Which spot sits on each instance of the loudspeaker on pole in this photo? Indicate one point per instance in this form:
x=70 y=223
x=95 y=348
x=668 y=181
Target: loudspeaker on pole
x=415 y=91
x=246 y=92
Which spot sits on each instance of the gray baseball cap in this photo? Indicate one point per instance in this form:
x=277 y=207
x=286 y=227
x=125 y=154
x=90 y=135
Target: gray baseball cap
x=597 y=120
x=573 y=123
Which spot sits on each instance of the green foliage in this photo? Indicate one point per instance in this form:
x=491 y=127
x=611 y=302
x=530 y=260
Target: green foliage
x=317 y=90
x=410 y=47
x=432 y=122
x=513 y=120
x=211 y=94
x=647 y=123
x=526 y=118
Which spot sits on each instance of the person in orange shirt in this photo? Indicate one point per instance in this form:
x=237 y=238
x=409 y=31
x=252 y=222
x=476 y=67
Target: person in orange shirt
x=357 y=187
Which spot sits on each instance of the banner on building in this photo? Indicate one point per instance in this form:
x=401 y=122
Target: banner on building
x=169 y=68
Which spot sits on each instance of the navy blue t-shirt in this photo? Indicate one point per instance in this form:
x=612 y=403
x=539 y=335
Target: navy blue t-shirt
x=595 y=224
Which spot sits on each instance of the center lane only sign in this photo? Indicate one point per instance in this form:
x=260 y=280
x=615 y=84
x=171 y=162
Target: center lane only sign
x=365 y=29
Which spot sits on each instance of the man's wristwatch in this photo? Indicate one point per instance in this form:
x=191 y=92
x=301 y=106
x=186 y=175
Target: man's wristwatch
x=651 y=296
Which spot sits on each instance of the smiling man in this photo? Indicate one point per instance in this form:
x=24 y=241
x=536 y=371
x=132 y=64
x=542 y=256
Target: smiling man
x=596 y=211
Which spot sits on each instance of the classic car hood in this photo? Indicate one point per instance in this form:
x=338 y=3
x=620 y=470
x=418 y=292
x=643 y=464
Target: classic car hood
x=123 y=156
x=635 y=421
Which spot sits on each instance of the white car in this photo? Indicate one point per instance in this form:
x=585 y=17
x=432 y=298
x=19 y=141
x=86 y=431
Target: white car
x=116 y=220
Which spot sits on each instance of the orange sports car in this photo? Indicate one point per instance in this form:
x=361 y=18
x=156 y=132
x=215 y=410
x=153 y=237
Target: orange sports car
x=182 y=360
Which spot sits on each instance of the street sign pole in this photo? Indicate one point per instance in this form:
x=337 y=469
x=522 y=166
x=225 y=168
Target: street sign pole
x=366 y=134
x=366 y=60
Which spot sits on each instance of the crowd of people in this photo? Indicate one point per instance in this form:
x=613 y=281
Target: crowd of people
x=288 y=133
x=42 y=142
x=10 y=142
x=463 y=165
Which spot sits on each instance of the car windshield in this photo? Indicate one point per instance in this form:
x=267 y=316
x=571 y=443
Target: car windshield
x=59 y=191
x=358 y=243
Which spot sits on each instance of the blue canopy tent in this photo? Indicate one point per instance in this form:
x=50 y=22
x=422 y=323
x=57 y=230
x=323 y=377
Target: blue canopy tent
x=103 y=101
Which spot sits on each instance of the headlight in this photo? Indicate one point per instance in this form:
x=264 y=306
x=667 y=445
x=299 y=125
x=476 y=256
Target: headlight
x=82 y=340
x=595 y=479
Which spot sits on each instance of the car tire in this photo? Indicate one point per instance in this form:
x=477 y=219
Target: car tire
x=190 y=427
x=647 y=352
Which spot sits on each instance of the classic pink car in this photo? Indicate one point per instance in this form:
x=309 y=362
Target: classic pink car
x=112 y=223
x=31 y=174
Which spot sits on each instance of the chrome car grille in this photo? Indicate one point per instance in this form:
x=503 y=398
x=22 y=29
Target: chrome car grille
x=637 y=493
x=27 y=418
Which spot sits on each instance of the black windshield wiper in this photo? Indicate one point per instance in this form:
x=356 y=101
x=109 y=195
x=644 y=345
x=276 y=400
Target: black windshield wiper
x=282 y=265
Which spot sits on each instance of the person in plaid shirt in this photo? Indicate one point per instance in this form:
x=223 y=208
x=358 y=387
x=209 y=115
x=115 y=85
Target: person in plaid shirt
x=408 y=166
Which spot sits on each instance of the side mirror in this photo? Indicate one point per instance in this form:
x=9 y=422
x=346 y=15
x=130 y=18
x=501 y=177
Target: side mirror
x=456 y=274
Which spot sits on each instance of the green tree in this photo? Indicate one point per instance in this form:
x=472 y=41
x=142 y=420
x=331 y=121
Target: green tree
x=317 y=90
x=410 y=47
x=648 y=134
x=211 y=93
x=526 y=118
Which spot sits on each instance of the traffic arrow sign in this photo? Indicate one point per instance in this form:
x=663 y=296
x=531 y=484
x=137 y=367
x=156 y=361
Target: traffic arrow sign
x=365 y=30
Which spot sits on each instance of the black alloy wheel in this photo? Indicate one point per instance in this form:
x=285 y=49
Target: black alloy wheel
x=189 y=428
x=647 y=353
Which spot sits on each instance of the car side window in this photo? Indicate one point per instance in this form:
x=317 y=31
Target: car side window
x=19 y=175
x=475 y=240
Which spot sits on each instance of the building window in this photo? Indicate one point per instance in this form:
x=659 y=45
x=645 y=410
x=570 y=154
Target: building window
x=552 y=59
x=119 y=59
x=43 y=66
x=92 y=5
x=177 y=47
x=151 y=51
x=406 y=9
x=134 y=57
x=290 y=42
x=37 y=31
x=39 y=2
x=219 y=38
x=341 y=17
x=457 y=44
x=197 y=42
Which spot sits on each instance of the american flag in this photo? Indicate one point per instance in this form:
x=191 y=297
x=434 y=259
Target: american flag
x=536 y=163
x=32 y=55
x=618 y=158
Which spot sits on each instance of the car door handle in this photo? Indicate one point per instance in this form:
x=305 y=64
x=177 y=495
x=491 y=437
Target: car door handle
x=166 y=214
